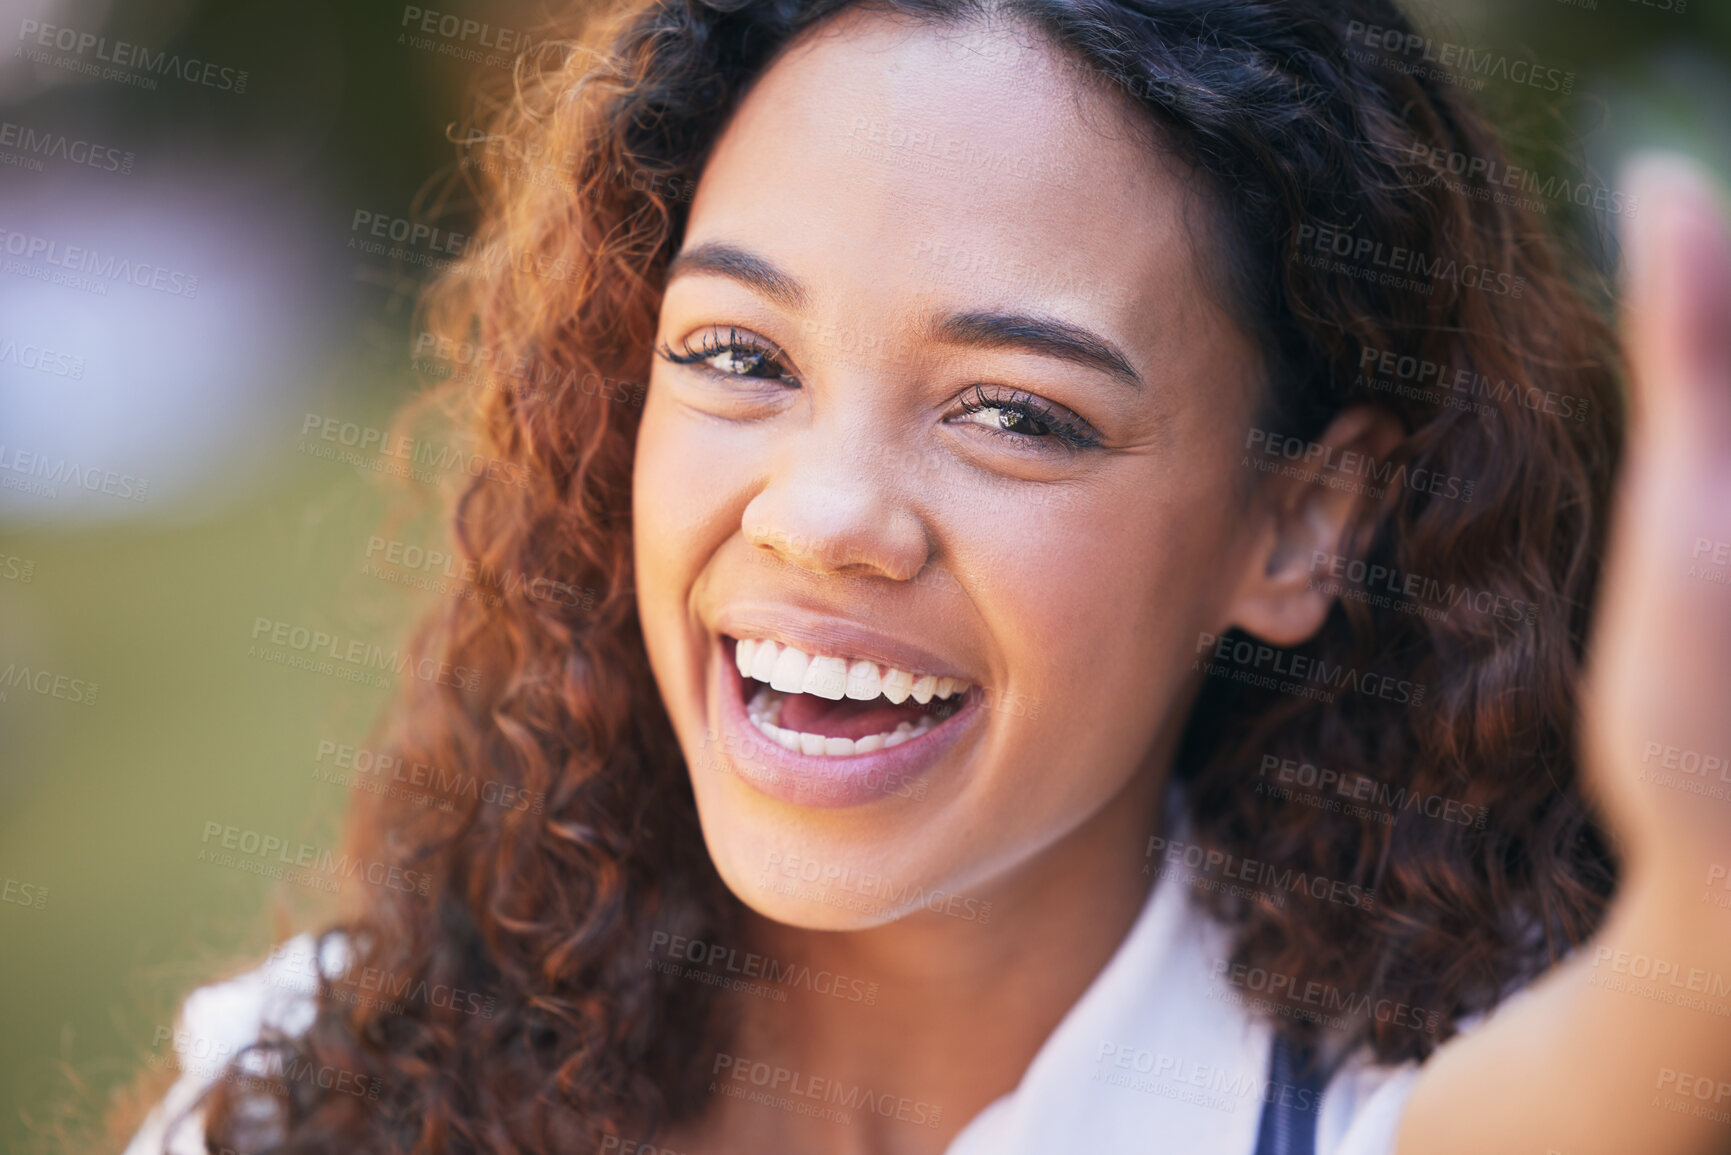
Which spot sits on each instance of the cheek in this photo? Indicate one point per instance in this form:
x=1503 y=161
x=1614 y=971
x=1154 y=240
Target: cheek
x=687 y=493
x=1096 y=608
x=679 y=520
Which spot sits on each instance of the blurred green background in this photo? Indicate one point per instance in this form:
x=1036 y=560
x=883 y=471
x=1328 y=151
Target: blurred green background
x=103 y=806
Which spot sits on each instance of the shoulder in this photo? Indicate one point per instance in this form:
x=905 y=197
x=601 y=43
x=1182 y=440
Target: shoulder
x=218 y=1022
x=1170 y=1042
x=1358 y=1109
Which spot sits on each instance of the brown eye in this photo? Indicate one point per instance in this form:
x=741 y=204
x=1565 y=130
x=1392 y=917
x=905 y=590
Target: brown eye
x=1008 y=420
x=1020 y=415
x=744 y=362
x=731 y=353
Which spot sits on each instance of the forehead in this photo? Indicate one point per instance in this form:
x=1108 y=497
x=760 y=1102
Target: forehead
x=905 y=165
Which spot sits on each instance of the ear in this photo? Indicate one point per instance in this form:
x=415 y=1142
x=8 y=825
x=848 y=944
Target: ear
x=1305 y=512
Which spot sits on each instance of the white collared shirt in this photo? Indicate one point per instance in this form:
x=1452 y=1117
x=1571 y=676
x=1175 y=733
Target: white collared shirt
x=1161 y=1055
x=1158 y=1055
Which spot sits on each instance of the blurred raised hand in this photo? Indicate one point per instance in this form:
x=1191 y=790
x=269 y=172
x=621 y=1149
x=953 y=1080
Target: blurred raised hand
x=1657 y=708
x=1627 y=1046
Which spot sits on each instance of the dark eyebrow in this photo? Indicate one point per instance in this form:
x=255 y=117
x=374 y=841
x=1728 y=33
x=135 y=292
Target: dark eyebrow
x=978 y=329
x=747 y=268
x=1046 y=335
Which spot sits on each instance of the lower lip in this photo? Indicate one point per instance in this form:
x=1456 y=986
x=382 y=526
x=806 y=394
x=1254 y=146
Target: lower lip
x=824 y=782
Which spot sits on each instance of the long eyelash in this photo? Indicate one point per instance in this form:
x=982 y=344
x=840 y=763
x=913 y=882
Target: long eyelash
x=1067 y=431
x=713 y=345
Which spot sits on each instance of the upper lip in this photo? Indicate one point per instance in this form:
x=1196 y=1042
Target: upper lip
x=817 y=633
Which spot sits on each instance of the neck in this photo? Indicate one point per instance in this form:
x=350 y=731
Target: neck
x=960 y=1006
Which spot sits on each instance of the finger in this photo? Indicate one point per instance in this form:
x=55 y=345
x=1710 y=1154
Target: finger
x=1677 y=306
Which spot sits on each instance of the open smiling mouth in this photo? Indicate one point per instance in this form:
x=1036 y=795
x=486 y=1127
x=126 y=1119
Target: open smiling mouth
x=828 y=706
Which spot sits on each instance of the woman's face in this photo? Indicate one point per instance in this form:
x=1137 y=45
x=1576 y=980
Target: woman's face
x=957 y=406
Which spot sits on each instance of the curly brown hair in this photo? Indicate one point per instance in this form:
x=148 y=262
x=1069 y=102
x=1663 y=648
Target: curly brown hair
x=1304 y=134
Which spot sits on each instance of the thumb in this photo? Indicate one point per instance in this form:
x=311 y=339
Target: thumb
x=1677 y=307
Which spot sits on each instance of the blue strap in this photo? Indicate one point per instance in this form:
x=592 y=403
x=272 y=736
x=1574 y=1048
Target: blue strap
x=1291 y=1103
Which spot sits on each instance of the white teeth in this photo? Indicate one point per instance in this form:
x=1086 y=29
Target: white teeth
x=792 y=671
x=863 y=681
x=789 y=673
x=764 y=710
x=826 y=677
x=763 y=661
x=898 y=684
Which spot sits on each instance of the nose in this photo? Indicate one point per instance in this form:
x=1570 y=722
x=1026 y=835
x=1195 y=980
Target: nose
x=834 y=503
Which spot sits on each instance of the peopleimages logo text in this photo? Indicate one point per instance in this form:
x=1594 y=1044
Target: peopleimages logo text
x=1342 y=250
x=46 y=144
x=1490 y=172
x=64 y=471
x=362 y=654
x=47 y=683
x=91 y=263
x=135 y=56
x=279 y=850
x=1463 y=60
x=402 y=447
